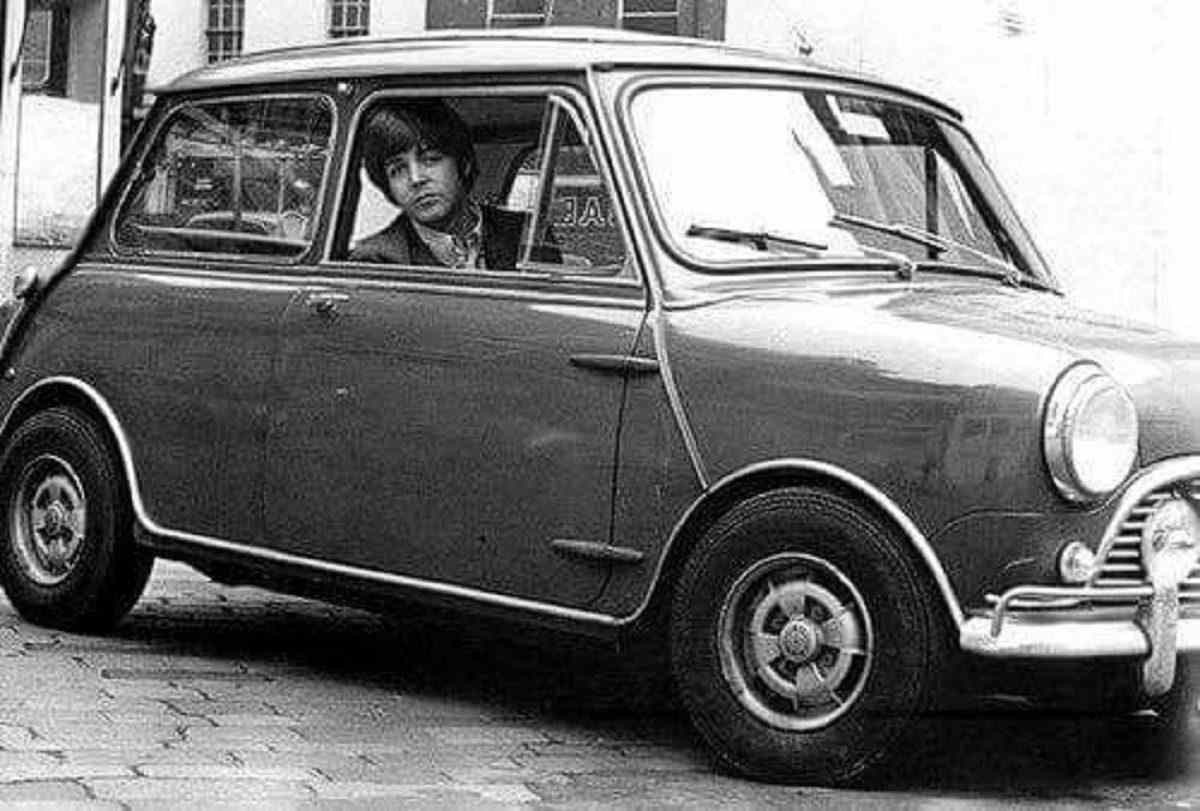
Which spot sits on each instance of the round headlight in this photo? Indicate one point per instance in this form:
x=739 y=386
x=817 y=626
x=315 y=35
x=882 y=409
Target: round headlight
x=1090 y=435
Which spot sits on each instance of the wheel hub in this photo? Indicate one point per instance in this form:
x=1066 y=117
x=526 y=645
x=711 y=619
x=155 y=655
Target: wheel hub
x=48 y=519
x=800 y=640
x=795 y=641
x=56 y=518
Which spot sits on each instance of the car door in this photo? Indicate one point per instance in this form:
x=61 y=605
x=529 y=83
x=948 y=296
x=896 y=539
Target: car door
x=458 y=427
x=190 y=298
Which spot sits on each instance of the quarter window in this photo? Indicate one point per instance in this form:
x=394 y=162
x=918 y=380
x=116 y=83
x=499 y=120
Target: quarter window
x=516 y=13
x=226 y=27
x=349 y=18
x=651 y=16
x=234 y=178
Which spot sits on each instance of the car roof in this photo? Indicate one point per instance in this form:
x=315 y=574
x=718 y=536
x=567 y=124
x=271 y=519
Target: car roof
x=558 y=48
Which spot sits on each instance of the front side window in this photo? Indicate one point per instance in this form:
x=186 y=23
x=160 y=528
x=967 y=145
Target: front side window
x=236 y=178
x=226 y=28
x=349 y=18
x=813 y=174
x=505 y=183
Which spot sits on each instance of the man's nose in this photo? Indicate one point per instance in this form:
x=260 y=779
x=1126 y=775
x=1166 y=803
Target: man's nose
x=417 y=172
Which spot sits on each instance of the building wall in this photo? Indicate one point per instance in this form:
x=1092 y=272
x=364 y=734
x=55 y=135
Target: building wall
x=1068 y=101
x=179 y=43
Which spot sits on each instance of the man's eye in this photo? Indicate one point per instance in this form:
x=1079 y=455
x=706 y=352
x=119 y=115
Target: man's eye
x=431 y=156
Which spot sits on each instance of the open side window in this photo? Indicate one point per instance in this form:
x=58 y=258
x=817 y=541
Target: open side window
x=535 y=167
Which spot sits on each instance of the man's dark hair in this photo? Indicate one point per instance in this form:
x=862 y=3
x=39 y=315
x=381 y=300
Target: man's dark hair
x=395 y=127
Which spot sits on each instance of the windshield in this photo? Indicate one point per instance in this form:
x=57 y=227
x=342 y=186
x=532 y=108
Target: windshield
x=751 y=173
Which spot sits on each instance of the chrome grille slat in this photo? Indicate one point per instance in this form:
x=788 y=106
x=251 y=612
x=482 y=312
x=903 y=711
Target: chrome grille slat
x=1122 y=565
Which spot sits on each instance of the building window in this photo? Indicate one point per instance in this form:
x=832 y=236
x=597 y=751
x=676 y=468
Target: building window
x=226 y=25
x=516 y=13
x=651 y=16
x=44 y=50
x=349 y=18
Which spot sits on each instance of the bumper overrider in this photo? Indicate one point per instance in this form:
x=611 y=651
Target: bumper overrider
x=1142 y=599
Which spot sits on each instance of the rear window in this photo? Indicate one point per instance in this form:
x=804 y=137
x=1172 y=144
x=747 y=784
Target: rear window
x=239 y=178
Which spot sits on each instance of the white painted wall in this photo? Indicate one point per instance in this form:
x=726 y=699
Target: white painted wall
x=179 y=43
x=277 y=25
x=1068 y=98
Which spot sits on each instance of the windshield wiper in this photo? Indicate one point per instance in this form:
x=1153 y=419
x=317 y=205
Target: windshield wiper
x=764 y=240
x=1008 y=273
x=760 y=240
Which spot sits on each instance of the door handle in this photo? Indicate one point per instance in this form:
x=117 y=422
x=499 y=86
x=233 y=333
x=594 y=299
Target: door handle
x=325 y=302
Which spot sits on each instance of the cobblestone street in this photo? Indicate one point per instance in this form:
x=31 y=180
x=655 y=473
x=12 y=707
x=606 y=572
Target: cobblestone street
x=210 y=695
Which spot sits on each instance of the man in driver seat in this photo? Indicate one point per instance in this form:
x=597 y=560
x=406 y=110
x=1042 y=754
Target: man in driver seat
x=418 y=152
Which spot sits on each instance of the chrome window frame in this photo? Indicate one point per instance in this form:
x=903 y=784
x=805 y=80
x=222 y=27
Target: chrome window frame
x=575 y=102
x=154 y=139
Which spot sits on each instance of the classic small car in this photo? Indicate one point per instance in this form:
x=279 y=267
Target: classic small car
x=794 y=400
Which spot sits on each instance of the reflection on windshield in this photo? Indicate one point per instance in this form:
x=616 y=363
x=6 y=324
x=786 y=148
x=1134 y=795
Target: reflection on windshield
x=763 y=170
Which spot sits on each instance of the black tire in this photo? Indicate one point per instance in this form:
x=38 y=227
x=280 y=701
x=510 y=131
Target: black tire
x=818 y=550
x=68 y=558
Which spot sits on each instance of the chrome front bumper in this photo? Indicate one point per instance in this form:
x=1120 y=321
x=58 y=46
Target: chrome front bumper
x=1119 y=614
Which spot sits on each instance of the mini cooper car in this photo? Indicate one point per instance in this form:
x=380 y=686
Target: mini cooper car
x=773 y=379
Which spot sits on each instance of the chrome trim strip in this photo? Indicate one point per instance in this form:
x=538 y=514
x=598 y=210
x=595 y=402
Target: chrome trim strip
x=881 y=500
x=656 y=322
x=1068 y=639
x=607 y=298
x=275 y=556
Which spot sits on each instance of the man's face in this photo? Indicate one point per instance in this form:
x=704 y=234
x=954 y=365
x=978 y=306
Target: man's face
x=426 y=184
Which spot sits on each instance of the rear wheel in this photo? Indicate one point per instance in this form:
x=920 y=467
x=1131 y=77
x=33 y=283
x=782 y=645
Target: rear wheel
x=803 y=640
x=68 y=559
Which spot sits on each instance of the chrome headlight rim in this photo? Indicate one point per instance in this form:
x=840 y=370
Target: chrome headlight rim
x=1074 y=390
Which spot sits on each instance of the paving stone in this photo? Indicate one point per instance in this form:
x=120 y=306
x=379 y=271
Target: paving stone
x=140 y=756
x=252 y=720
x=438 y=795
x=26 y=765
x=18 y=737
x=489 y=735
x=241 y=737
x=209 y=771
x=45 y=793
x=172 y=791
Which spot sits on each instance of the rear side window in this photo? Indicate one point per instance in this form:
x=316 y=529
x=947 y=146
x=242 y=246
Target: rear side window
x=231 y=177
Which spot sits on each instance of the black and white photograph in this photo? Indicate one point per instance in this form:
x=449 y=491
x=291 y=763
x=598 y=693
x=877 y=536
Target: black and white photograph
x=599 y=403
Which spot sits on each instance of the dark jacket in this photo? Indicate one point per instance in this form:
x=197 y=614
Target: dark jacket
x=399 y=243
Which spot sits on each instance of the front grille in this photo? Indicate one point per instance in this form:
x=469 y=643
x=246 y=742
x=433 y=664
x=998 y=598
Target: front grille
x=1122 y=566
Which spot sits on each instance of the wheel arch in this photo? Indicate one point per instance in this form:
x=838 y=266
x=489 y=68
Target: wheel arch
x=762 y=477
x=52 y=392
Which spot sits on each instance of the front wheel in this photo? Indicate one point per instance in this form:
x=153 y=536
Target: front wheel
x=68 y=559
x=803 y=641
